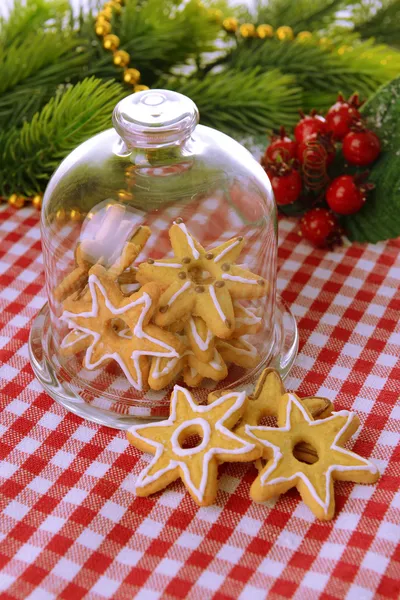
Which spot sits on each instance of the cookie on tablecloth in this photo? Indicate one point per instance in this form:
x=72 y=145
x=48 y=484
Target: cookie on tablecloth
x=314 y=481
x=197 y=466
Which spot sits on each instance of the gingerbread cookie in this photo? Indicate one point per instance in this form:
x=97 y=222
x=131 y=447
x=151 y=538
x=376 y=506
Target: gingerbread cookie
x=246 y=319
x=265 y=401
x=201 y=338
x=91 y=251
x=100 y=318
x=164 y=371
x=197 y=466
x=239 y=351
x=214 y=369
x=201 y=282
x=314 y=481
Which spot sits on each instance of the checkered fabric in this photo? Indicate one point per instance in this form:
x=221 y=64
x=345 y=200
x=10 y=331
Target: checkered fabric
x=71 y=526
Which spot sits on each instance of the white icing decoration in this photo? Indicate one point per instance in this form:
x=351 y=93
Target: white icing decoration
x=202 y=344
x=215 y=363
x=238 y=278
x=125 y=333
x=216 y=303
x=129 y=288
x=226 y=250
x=78 y=336
x=249 y=349
x=179 y=292
x=368 y=466
x=137 y=332
x=190 y=451
x=155 y=371
x=250 y=319
x=195 y=252
x=144 y=479
x=247 y=321
x=171 y=265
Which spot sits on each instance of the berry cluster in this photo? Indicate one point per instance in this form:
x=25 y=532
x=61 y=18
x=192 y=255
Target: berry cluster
x=318 y=172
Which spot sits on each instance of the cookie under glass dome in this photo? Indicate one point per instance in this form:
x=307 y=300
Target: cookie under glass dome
x=160 y=246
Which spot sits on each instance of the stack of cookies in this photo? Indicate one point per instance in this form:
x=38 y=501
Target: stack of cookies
x=178 y=317
x=303 y=447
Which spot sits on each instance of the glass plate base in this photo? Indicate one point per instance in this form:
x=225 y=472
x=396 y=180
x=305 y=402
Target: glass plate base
x=281 y=358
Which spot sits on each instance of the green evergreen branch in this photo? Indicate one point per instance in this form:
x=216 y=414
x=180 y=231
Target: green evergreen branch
x=29 y=16
x=381 y=22
x=29 y=155
x=242 y=101
x=301 y=15
x=321 y=72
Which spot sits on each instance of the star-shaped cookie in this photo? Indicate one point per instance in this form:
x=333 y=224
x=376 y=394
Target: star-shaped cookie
x=201 y=282
x=314 y=481
x=197 y=466
x=265 y=401
x=91 y=251
x=93 y=323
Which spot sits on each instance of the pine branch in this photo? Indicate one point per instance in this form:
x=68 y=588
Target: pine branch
x=239 y=102
x=160 y=41
x=31 y=15
x=29 y=155
x=321 y=73
x=378 y=21
x=300 y=15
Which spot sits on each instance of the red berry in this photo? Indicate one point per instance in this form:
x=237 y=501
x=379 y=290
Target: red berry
x=361 y=147
x=281 y=146
x=308 y=125
x=344 y=196
x=315 y=149
x=286 y=183
x=320 y=227
x=341 y=116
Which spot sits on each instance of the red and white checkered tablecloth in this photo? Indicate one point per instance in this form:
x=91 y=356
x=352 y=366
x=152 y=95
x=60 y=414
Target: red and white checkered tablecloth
x=71 y=526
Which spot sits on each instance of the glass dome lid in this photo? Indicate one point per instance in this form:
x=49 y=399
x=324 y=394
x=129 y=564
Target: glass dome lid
x=159 y=242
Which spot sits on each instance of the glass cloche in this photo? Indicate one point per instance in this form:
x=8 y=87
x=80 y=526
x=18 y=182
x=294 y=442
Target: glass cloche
x=160 y=244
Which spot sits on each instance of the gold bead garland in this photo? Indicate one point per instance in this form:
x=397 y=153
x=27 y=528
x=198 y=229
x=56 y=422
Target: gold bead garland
x=247 y=30
x=132 y=76
x=265 y=31
x=111 y=42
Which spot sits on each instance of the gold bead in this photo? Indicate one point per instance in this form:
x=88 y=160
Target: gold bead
x=16 y=201
x=131 y=170
x=344 y=49
x=125 y=196
x=230 y=24
x=60 y=214
x=37 y=201
x=105 y=14
x=140 y=88
x=75 y=214
x=304 y=36
x=131 y=76
x=284 y=33
x=121 y=58
x=265 y=31
x=247 y=30
x=326 y=43
x=115 y=6
x=102 y=28
x=111 y=42
x=216 y=14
